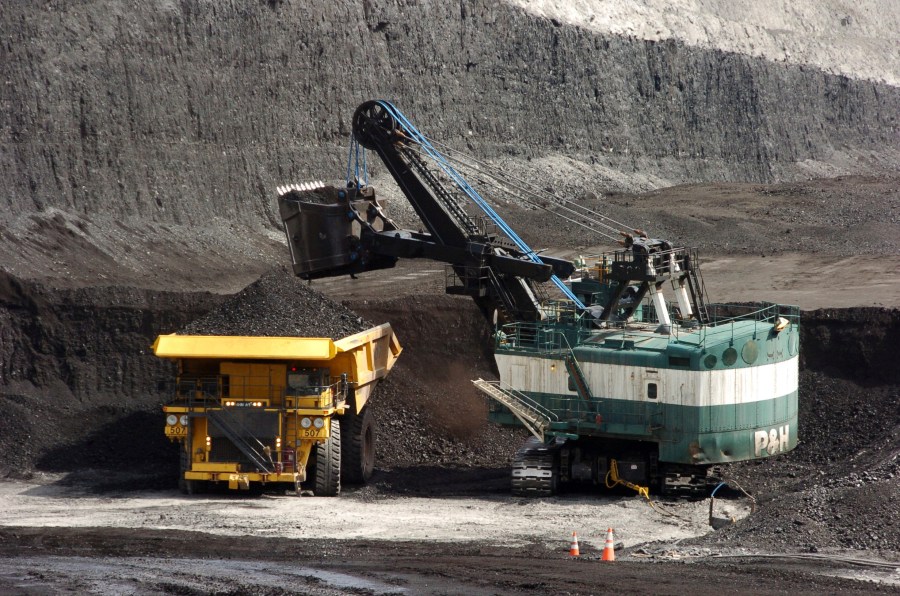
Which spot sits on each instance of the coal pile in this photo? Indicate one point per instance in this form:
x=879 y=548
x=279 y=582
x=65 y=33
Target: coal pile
x=419 y=424
x=840 y=488
x=78 y=380
x=279 y=304
x=428 y=413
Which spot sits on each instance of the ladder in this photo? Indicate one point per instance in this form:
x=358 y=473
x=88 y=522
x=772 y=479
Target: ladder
x=578 y=377
x=535 y=417
x=228 y=425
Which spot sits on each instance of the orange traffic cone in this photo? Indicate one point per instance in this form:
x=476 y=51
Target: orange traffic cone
x=609 y=552
x=573 y=550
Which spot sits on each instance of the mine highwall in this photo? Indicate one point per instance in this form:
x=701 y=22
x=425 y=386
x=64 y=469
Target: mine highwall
x=182 y=111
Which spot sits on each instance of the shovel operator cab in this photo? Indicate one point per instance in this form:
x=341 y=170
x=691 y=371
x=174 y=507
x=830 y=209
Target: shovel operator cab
x=291 y=411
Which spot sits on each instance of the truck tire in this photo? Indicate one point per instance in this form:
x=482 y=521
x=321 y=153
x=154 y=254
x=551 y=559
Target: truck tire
x=328 y=463
x=182 y=466
x=358 y=447
x=188 y=487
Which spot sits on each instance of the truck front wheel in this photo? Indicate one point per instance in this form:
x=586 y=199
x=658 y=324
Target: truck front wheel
x=328 y=463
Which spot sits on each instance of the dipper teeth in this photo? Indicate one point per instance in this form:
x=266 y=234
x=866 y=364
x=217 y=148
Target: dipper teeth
x=302 y=187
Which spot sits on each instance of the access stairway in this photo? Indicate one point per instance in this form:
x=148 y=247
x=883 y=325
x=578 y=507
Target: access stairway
x=534 y=416
x=243 y=440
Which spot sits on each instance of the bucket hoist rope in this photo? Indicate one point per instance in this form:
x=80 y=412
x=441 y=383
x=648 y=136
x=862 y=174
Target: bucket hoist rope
x=353 y=164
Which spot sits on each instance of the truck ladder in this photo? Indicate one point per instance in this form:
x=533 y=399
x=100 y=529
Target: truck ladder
x=533 y=415
x=260 y=460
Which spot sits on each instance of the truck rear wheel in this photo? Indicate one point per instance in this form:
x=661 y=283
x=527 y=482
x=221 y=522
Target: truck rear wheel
x=358 y=447
x=328 y=463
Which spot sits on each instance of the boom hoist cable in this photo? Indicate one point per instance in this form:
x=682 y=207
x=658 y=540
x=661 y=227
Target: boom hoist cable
x=686 y=272
x=528 y=192
x=504 y=185
x=503 y=182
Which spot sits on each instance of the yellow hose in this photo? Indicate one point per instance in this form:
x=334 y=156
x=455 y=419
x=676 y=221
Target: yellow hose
x=613 y=474
x=612 y=479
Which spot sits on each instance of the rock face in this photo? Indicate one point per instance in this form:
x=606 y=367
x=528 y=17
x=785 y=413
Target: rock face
x=858 y=40
x=187 y=112
x=78 y=377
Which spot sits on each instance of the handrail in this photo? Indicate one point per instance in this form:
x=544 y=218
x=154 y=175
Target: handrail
x=241 y=391
x=540 y=408
x=534 y=416
x=513 y=335
x=227 y=422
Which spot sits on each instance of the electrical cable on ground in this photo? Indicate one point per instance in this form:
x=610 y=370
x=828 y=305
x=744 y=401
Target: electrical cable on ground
x=811 y=556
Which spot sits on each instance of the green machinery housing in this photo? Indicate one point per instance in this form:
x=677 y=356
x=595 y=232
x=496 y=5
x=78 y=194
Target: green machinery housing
x=633 y=370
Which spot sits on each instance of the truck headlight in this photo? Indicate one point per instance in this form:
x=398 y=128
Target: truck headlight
x=306 y=423
x=319 y=422
x=183 y=420
x=171 y=419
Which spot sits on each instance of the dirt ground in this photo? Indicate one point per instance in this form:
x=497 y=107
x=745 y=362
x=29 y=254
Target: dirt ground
x=56 y=537
x=183 y=562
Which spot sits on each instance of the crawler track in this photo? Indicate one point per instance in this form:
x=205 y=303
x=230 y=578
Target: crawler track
x=535 y=470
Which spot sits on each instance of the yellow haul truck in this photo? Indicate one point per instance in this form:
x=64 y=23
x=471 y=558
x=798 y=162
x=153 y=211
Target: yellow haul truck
x=252 y=411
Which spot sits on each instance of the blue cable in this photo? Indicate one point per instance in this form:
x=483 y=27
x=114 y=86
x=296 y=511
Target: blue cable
x=721 y=484
x=353 y=164
x=473 y=194
x=350 y=157
x=357 y=165
x=365 y=168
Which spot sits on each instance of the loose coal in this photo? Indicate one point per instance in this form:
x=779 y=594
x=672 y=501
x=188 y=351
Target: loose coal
x=279 y=304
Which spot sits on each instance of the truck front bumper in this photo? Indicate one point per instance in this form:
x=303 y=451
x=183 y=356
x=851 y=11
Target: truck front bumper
x=241 y=480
